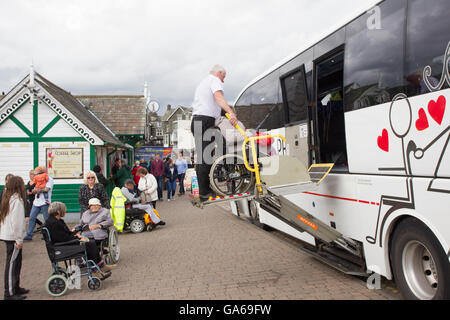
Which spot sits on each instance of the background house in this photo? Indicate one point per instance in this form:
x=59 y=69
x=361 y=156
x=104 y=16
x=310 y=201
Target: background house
x=42 y=124
x=123 y=114
x=177 y=128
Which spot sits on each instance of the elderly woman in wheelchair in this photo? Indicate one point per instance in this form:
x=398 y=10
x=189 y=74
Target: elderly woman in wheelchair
x=64 y=245
x=97 y=225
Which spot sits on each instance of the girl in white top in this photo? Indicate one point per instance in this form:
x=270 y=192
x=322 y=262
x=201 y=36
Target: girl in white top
x=12 y=231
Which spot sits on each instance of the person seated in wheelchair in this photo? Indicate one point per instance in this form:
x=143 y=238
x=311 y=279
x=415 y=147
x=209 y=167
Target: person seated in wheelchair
x=128 y=191
x=60 y=233
x=95 y=222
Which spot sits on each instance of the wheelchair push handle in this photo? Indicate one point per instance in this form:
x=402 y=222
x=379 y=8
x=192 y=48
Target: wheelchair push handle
x=237 y=126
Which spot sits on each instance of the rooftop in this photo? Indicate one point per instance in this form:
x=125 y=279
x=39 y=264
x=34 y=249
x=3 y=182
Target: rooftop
x=125 y=115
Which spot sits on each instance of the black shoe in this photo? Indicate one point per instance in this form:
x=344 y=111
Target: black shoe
x=15 y=297
x=161 y=223
x=21 y=291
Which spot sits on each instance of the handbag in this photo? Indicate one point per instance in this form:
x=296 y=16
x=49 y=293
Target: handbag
x=146 y=196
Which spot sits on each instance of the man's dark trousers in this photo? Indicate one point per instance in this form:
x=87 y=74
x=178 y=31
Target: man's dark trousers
x=160 y=182
x=202 y=166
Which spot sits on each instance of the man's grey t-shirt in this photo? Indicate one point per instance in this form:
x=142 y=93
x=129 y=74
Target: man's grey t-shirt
x=204 y=103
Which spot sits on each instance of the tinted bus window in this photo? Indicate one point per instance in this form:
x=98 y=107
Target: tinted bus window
x=427 y=39
x=374 y=56
x=266 y=101
x=305 y=58
x=295 y=95
x=260 y=100
x=329 y=43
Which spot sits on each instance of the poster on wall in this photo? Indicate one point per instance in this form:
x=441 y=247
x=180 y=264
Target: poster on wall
x=145 y=153
x=64 y=163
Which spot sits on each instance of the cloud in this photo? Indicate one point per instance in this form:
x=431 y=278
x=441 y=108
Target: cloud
x=112 y=47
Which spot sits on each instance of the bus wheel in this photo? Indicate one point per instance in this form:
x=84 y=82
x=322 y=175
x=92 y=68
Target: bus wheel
x=420 y=266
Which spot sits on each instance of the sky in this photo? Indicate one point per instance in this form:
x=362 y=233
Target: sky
x=106 y=47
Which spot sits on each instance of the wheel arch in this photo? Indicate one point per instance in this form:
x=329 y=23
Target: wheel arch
x=392 y=223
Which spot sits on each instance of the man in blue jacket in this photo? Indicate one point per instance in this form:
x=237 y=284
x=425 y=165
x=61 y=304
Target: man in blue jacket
x=182 y=166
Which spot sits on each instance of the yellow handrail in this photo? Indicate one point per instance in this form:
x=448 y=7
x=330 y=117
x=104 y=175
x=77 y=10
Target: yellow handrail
x=252 y=140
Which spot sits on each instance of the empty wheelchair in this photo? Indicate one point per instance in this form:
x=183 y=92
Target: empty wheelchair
x=69 y=275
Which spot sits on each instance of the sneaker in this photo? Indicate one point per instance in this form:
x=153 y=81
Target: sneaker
x=28 y=238
x=15 y=297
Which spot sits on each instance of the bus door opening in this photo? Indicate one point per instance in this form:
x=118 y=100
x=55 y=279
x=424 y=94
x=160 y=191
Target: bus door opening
x=330 y=124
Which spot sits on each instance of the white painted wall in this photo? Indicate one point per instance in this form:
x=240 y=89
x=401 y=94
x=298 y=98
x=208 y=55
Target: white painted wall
x=17 y=158
x=45 y=115
x=185 y=137
x=61 y=129
x=25 y=115
x=9 y=129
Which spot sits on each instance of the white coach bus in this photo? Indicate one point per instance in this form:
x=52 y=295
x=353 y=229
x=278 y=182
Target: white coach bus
x=373 y=97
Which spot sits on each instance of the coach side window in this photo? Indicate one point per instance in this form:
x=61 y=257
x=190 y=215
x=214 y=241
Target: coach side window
x=374 y=56
x=427 y=40
x=295 y=95
x=243 y=107
x=260 y=105
x=267 y=110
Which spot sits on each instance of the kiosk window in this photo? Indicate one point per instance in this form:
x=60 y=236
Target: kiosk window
x=295 y=96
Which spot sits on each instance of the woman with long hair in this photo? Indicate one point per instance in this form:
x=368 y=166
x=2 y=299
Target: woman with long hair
x=12 y=231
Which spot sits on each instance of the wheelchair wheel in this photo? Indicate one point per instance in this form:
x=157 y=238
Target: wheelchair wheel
x=60 y=271
x=56 y=285
x=150 y=227
x=229 y=176
x=94 y=283
x=113 y=247
x=137 y=226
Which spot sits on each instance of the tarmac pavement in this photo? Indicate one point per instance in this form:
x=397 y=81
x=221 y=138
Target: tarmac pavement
x=204 y=254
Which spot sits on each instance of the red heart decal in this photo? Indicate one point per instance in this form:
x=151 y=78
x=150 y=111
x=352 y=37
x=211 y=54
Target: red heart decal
x=383 y=141
x=422 y=122
x=437 y=109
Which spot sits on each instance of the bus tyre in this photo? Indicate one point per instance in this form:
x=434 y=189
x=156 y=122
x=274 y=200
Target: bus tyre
x=421 y=268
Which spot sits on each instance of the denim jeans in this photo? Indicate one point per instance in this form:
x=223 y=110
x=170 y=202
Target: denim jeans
x=160 y=181
x=33 y=215
x=171 y=187
x=181 y=181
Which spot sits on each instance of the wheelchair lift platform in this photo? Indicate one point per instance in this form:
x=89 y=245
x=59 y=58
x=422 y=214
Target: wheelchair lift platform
x=282 y=176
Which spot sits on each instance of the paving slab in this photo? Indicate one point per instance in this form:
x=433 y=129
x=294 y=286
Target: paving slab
x=204 y=254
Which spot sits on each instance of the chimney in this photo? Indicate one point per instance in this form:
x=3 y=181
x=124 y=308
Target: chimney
x=169 y=107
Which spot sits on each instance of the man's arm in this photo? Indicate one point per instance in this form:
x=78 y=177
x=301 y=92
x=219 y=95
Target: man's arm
x=220 y=100
x=130 y=197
